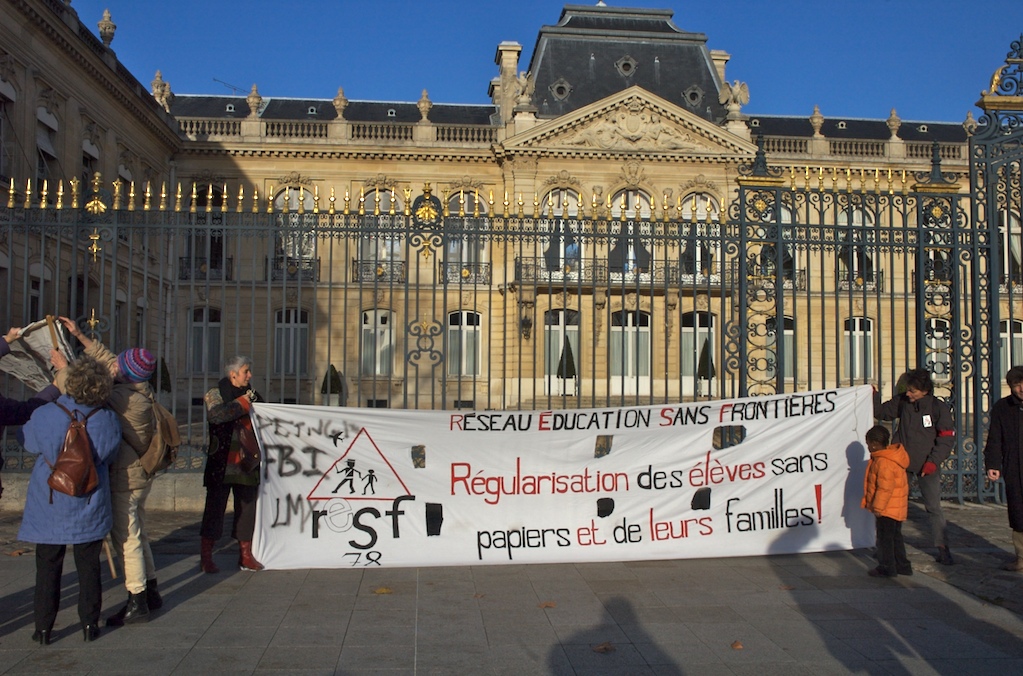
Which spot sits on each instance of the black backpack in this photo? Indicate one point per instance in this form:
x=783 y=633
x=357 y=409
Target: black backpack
x=74 y=473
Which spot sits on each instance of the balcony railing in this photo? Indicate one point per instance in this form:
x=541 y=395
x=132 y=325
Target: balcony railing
x=465 y=273
x=286 y=268
x=203 y=269
x=850 y=280
x=764 y=277
x=384 y=272
x=593 y=271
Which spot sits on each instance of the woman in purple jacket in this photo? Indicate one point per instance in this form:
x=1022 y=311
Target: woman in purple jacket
x=53 y=519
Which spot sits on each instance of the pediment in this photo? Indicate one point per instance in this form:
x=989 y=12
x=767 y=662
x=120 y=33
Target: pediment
x=631 y=121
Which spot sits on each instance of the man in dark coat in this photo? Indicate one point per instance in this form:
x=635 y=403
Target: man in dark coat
x=1003 y=459
x=926 y=429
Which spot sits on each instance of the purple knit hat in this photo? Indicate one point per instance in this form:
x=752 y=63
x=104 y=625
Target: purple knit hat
x=136 y=364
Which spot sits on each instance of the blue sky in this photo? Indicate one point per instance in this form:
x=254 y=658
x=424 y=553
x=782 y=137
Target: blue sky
x=929 y=59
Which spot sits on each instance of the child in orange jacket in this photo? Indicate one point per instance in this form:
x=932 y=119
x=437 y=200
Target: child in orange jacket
x=886 y=496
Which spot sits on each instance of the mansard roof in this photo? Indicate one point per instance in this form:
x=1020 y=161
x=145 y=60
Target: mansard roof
x=585 y=52
x=856 y=128
x=274 y=108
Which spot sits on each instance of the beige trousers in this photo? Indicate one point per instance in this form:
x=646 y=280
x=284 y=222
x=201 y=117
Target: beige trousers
x=130 y=538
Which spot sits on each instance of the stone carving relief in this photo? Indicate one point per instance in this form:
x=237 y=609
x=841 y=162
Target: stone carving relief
x=632 y=174
x=632 y=126
x=562 y=179
x=294 y=178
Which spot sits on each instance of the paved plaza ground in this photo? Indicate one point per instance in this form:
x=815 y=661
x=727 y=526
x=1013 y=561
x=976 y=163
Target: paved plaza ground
x=789 y=614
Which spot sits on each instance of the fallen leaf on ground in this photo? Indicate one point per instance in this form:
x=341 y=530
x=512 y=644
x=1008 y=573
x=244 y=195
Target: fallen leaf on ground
x=786 y=587
x=604 y=647
x=383 y=590
x=19 y=552
x=478 y=596
x=548 y=604
x=736 y=645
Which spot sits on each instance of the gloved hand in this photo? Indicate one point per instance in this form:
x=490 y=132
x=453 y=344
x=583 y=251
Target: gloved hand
x=251 y=394
x=928 y=468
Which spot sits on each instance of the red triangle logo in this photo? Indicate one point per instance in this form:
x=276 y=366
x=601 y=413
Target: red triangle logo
x=361 y=473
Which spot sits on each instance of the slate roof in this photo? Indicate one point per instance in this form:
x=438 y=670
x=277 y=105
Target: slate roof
x=582 y=53
x=356 y=111
x=854 y=128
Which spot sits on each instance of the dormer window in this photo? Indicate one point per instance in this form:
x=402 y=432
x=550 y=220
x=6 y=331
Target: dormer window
x=841 y=125
x=922 y=129
x=229 y=108
x=391 y=112
x=561 y=89
x=754 y=123
x=312 y=110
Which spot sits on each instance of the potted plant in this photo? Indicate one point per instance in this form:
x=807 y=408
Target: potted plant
x=332 y=387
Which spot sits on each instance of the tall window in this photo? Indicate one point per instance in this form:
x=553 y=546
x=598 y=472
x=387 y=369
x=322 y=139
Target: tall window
x=466 y=247
x=204 y=250
x=1009 y=245
x=859 y=349
x=296 y=239
x=561 y=351
x=377 y=342
x=463 y=353
x=856 y=259
x=630 y=344
x=563 y=250
x=291 y=345
x=786 y=351
x=1011 y=347
x=204 y=342
x=697 y=344
x=938 y=342
x=46 y=153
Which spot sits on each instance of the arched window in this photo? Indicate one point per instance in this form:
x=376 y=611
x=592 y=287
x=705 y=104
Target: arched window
x=377 y=342
x=291 y=342
x=295 y=240
x=769 y=259
x=631 y=203
x=204 y=340
x=858 y=363
x=204 y=244
x=464 y=343
x=856 y=265
x=560 y=203
x=701 y=252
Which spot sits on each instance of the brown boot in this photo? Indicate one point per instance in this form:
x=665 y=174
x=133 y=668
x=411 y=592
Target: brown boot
x=206 y=556
x=245 y=559
x=1017 y=543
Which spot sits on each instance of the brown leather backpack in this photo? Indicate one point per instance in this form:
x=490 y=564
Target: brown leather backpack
x=74 y=473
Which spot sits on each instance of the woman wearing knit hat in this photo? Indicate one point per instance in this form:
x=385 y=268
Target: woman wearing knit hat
x=132 y=401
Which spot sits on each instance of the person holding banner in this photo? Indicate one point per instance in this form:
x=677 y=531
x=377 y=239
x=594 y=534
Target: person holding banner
x=231 y=465
x=925 y=428
x=1003 y=459
x=132 y=401
x=14 y=412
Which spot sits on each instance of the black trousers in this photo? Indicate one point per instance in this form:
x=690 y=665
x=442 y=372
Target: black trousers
x=891 y=549
x=244 y=511
x=50 y=567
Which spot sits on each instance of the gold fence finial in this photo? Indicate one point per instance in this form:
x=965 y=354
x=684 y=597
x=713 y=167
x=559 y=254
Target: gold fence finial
x=163 y=196
x=241 y=198
x=28 y=193
x=42 y=194
x=60 y=194
x=316 y=199
x=177 y=199
x=10 y=195
x=255 y=199
x=147 y=200
x=333 y=200
x=270 y=202
x=131 y=196
x=117 y=195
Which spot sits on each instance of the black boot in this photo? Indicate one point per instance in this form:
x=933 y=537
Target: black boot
x=41 y=636
x=134 y=611
x=90 y=632
x=153 y=598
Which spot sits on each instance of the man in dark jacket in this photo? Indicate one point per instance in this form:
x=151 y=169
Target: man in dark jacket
x=14 y=412
x=926 y=429
x=1003 y=459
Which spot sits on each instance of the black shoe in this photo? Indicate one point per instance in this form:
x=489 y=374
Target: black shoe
x=153 y=598
x=134 y=611
x=877 y=572
x=41 y=636
x=944 y=556
x=90 y=632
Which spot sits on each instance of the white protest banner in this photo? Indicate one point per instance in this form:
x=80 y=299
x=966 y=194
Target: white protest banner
x=355 y=487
